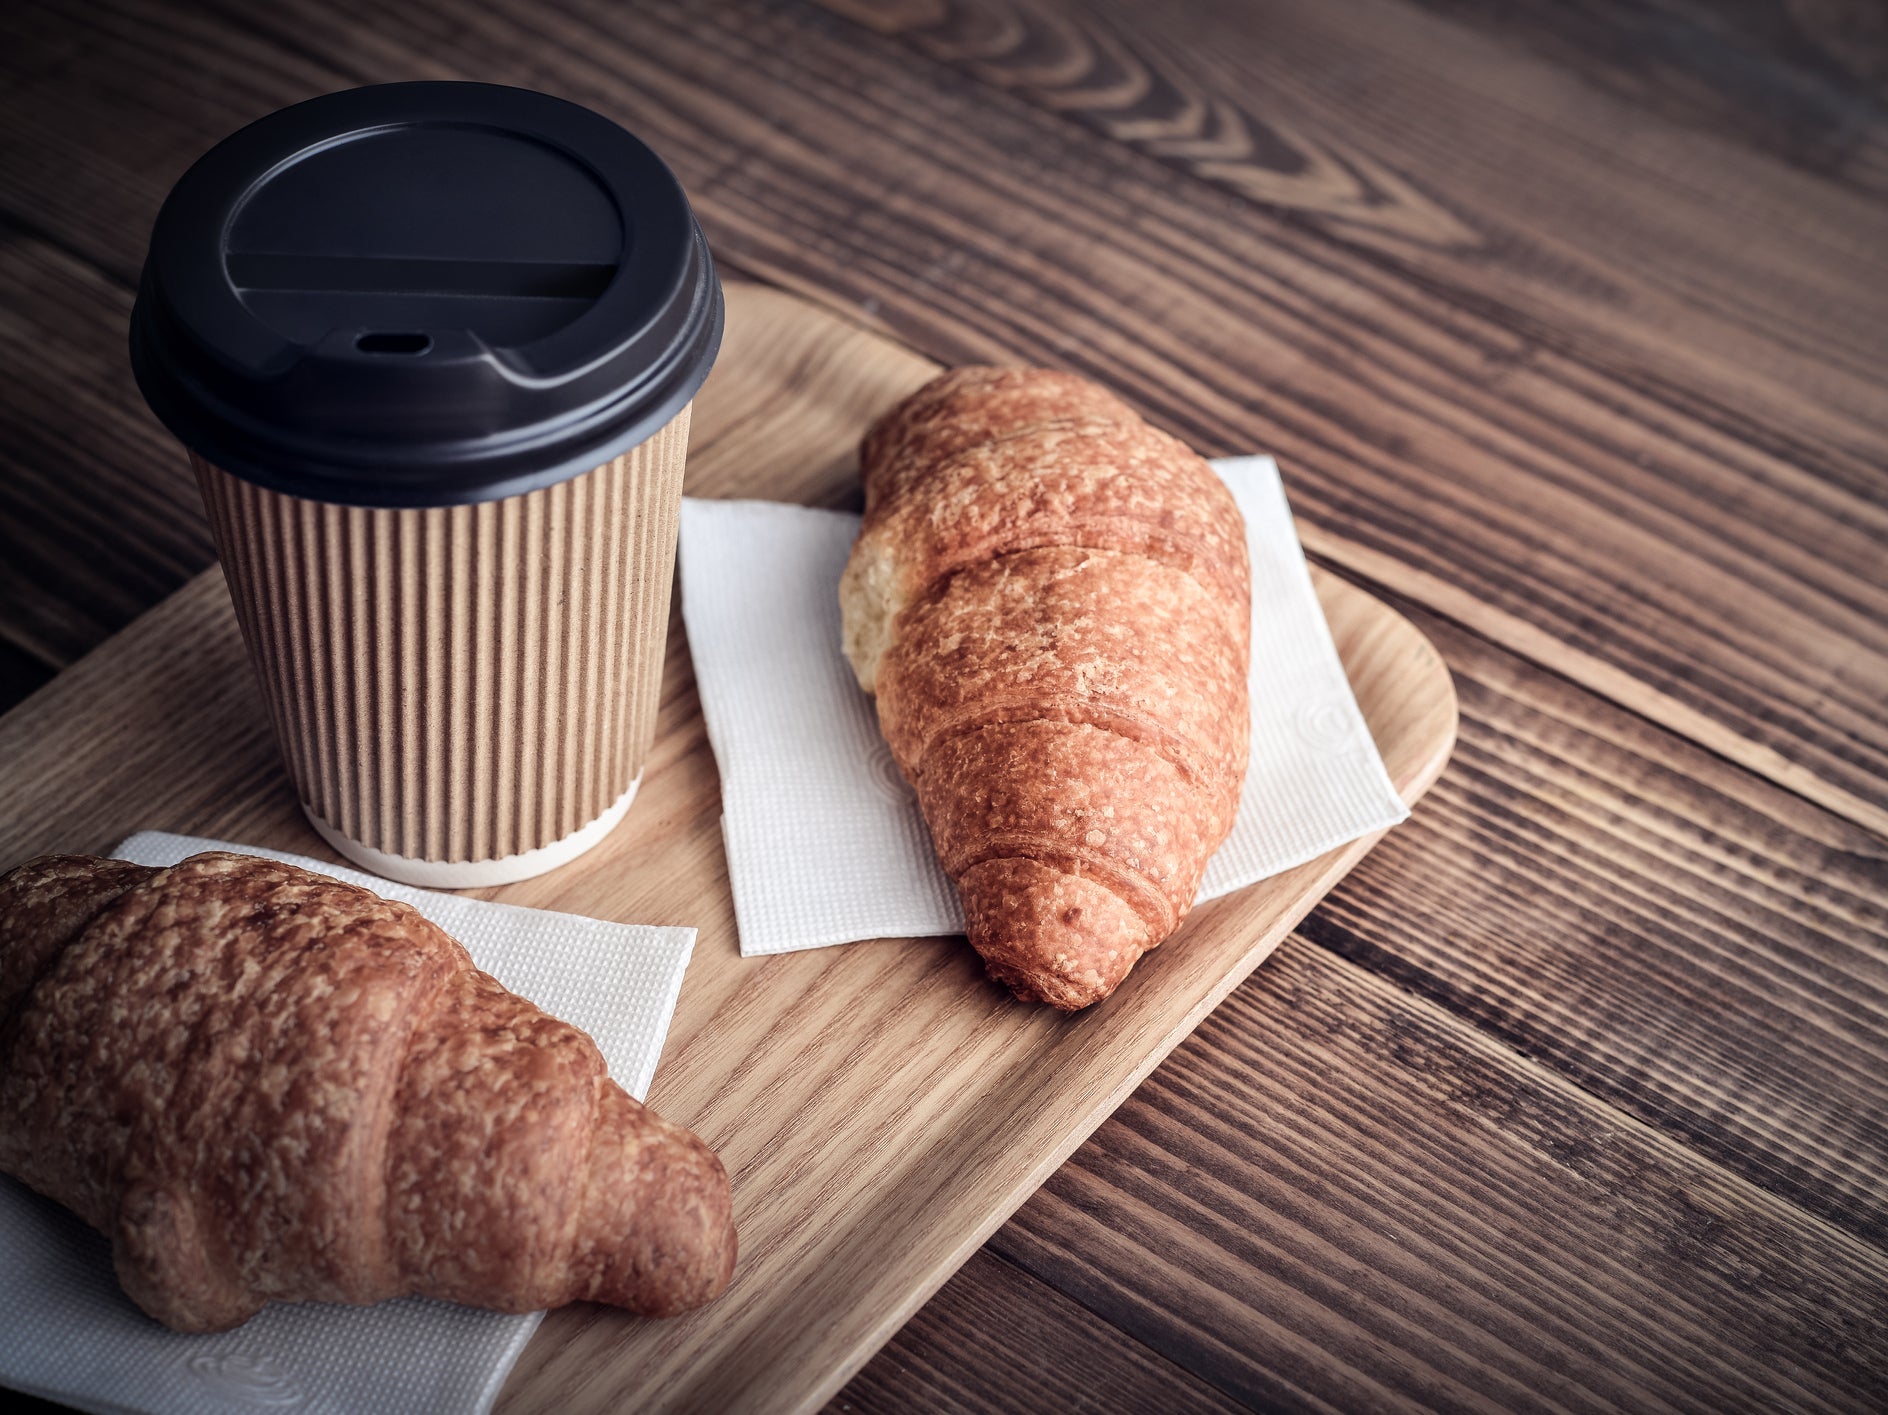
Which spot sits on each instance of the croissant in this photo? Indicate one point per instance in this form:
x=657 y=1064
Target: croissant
x=268 y=1086
x=1051 y=601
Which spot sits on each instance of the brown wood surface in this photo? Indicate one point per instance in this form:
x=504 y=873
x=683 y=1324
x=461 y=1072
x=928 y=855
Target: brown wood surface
x=882 y=1108
x=1698 y=947
x=1267 y=1212
x=1567 y=320
x=1596 y=383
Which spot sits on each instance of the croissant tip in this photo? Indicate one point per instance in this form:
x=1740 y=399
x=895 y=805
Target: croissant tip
x=1061 y=939
x=1032 y=986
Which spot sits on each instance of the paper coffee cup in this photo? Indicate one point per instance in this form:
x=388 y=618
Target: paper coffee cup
x=431 y=348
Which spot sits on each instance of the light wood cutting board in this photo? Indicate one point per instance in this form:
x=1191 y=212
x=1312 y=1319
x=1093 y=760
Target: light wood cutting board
x=881 y=1107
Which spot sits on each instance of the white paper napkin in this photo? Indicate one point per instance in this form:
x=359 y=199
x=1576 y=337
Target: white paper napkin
x=69 y=1334
x=825 y=842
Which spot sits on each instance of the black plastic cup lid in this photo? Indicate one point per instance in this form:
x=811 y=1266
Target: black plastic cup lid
x=423 y=294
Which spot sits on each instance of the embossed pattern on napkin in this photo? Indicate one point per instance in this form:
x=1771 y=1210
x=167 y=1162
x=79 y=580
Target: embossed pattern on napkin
x=68 y=1333
x=825 y=842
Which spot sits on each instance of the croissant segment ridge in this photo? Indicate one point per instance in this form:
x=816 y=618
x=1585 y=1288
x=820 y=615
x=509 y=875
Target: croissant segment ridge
x=1051 y=602
x=266 y=1085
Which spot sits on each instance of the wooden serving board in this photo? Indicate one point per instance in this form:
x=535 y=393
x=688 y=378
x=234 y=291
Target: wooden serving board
x=881 y=1106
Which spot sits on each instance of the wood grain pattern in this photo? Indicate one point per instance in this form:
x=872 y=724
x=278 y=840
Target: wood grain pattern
x=1803 y=80
x=881 y=1107
x=1246 y=114
x=995 y=1339
x=101 y=517
x=1334 y=1197
x=1628 y=428
x=1692 y=944
x=1654 y=329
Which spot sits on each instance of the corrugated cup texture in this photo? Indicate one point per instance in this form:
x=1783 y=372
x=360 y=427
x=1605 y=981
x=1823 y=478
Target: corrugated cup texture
x=460 y=683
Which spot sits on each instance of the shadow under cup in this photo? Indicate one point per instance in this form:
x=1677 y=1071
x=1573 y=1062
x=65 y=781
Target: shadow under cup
x=432 y=349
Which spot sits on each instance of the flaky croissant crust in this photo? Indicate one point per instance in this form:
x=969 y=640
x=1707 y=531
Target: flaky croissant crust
x=1051 y=601
x=266 y=1085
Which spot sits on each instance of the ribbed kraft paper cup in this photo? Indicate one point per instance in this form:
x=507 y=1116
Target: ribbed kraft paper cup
x=432 y=349
x=464 y=695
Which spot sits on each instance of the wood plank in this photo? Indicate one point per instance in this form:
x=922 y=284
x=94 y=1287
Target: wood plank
x=881 y=1108
x=1801 y=79
x=1798 y=1147
x=1627 y=488
x=1337 y=1197
x=101 y=516
x=1694 y=945
x=1462 y=161
x=996 y=1339
x=98 y=200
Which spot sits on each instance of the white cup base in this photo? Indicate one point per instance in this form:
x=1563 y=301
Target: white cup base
x=476 y=874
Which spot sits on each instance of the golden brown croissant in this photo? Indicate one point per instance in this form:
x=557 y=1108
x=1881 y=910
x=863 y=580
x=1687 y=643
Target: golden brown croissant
x=264 y=1085
x=1051 y=601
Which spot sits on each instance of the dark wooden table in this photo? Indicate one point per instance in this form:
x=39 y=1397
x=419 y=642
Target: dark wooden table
x=1569 y=325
